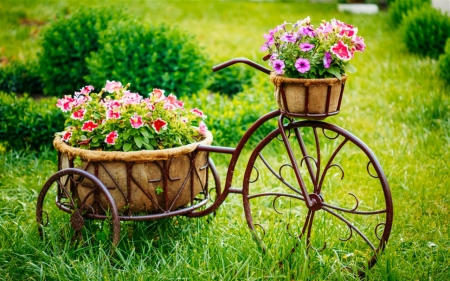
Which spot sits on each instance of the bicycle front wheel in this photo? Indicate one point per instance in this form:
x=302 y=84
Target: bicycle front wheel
x=351 y=217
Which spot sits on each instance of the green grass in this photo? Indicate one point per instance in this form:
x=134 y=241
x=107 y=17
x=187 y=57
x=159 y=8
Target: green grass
x=395 y=103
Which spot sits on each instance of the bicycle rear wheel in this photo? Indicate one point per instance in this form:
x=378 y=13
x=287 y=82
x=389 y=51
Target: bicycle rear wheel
x=351 y=217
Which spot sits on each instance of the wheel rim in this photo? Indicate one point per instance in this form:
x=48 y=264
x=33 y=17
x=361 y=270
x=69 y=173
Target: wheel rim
x=56 y=198
x=353 y=206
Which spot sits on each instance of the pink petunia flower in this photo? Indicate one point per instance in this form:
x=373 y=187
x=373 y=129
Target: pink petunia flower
x=67 y=135
x=112 y=86
x=136 y=121
x=78 y=115
x=111 y=137
x=131 y=98
x=157 y=95
x=86 y=89
x=89 y=126
x=171 y=102
x=198 y=112
x=202 y=129
x=112 y=114
x=66 y=103
x=159 y=124
x=341 y=51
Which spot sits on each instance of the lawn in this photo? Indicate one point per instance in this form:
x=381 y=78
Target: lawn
x=395 y=103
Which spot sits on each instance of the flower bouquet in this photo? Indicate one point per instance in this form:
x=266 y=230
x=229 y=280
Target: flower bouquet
x=126 y=121
x=310 y=65
x=142 y=148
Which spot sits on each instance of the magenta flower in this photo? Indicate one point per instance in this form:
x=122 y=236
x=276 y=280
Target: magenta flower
x=308 y=31
x=341 y=51
x=302 y=65
x=327 y=60
x=202 y=129
x=78 y=115
x=287 y=37
x=278 y=66
x=112 y=114
x=198 y=112
x=111 y=137
x=112 y=86
x=306 y=47
x=159 y=124
x=89 y=126
x=136 y=121
x=359 y=43
x=66 y=137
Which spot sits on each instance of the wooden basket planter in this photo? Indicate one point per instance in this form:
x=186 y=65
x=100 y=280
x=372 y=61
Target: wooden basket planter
x=140 y=182
x=308 y=98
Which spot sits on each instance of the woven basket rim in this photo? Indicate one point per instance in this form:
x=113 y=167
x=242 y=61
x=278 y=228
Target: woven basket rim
x=279 y=79
x=130 y=156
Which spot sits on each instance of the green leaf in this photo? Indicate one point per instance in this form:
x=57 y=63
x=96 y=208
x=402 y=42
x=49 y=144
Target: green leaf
x=144 y=133
x=138 y=141
x=335 y=71
x=127 y=146
x=125 y=135
x=349 y=68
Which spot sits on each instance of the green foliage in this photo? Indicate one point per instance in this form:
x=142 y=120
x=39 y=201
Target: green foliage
x=444 y=63
x=148 y=57
x=25 y=123
x=19 y=77
x=400 y=8
x=231 y=80
x=425 y=31
x=66 y=43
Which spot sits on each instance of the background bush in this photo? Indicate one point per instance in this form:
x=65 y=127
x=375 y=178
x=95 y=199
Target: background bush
x=231 y=80
x=400 y=8
x=148 y=57
x=66 y=43
x=425 y=31
x=444 y=63
x=19 y=77
x=25 y=123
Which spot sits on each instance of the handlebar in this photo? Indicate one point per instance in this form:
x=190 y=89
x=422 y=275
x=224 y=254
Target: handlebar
x=241 y=60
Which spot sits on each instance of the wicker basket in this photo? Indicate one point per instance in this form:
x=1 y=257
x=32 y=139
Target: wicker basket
x=308 y=98
x=141 y=182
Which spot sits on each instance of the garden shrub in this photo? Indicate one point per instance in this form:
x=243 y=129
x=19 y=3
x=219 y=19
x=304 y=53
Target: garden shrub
x=444 y=63
x=20 y=77
x=26 y=123
x=66 y=43
x=425 y=31
x=400 y=8
x=231 y=80
x=148 y=57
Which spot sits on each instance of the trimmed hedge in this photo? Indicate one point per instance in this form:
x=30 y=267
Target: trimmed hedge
x=66 y=43
x=400 y=8
x=28 y=124
x=425 y=31
x=444 y=63
x=148 y=57
x=19 y=77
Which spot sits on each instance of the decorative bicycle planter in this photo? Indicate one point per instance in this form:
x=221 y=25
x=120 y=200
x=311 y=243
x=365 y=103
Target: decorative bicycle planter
x=312 y=180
